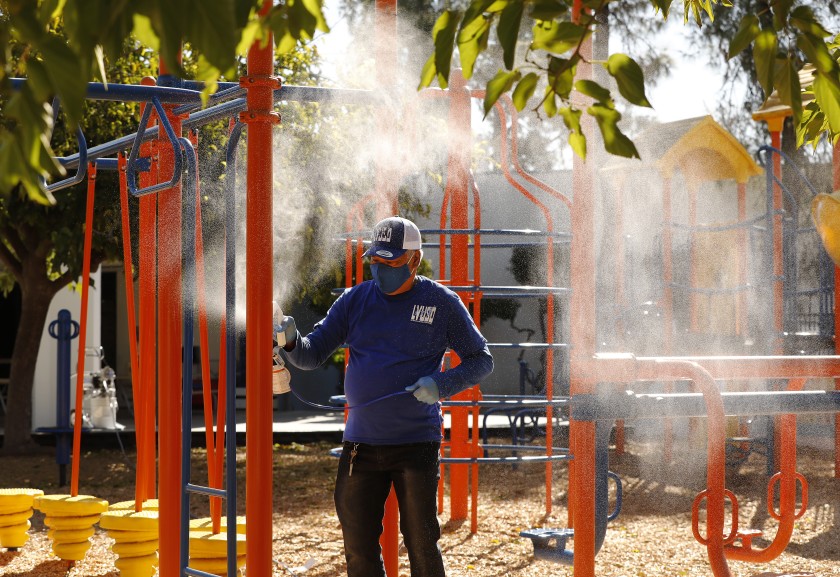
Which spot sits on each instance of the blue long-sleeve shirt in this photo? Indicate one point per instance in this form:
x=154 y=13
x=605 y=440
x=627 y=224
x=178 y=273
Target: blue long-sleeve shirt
x=394 y=340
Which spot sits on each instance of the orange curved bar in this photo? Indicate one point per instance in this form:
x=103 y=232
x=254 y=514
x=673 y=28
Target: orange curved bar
x=715 y=451
x=695 y=517
x=80 y=366
x=786 y=478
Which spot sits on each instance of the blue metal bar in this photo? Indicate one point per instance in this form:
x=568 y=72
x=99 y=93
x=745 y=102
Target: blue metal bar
x=230 y=342
x=558 y=450
x=621 y=405
x=532 y=403
x=473 y=231
x=717 y=291
x=142 y=164
x=517 y=459
x=202 y=490
x=499 y=291
x=719 y=227
x=198 y=573
x=131 y=92
x=63 y=330
x=222 y=111
x=188 y=291
x=130 y=170
x=81 y=171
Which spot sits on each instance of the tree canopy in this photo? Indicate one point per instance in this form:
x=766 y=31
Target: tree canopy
x=782 y=36
x=60 y=64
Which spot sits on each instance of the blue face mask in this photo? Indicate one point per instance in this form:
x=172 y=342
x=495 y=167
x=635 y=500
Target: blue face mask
x=389 y=278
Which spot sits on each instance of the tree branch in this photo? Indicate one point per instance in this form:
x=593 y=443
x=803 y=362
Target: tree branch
x=11 y=260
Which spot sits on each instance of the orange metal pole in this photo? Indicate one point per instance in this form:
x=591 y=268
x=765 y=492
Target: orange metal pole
x=457 y=187
x=620 y=293
x=667 y=301
x=146 y=404
x=741 y=316
x=259 y=481
x=582 y=317
x=835 y=161
x=692 y=262
x=83 y=317
x=139 y=489
x=386 y=187
x=549 y=354
x=170 y=346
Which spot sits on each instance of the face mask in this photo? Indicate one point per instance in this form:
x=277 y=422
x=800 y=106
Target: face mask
x=389 y=278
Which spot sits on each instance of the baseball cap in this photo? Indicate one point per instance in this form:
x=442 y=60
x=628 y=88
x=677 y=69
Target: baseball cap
x=393 y=236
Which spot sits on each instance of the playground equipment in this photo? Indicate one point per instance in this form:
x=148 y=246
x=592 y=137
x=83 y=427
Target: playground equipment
x=169 y=258
x=15 y=512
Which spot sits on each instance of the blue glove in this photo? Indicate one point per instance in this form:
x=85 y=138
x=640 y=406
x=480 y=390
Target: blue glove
x=286 y=331
x=425 y=390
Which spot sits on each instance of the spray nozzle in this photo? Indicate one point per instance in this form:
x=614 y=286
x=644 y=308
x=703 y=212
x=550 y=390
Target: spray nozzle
x=277 y=317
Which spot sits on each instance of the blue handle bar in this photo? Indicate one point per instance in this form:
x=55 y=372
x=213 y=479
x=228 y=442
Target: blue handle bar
x=131 y=177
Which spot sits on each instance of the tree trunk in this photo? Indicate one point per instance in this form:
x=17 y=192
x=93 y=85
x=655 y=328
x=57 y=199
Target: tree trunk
x=36 y=296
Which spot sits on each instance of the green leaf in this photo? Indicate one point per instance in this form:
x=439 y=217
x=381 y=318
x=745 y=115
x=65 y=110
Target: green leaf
x=557 y=37
x=802 y=18
x=828 y=97
x=508 y=30
x=594 y=90
x=629 y=77
x=578 y=143
x=472 y=40
x=428 y=73
x=443 y=34
x=67 y=75
x=550 y=102
x=764 y=54
x=781 y=9
x=662 y=5
x=571 y=118
x=547 y=9
x=787 y=85
x=747 y=32
x=561 y=75
x=817 y=52
x=615 y=141
x=144 y=32
x=498 y=85
x=524 y=90
x=475 y=10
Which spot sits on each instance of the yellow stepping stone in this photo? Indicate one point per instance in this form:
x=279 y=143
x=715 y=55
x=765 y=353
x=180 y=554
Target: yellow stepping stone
x=208 y=545
x=206 y=524
x=71 y=551
x=136 y=548
x=132 y=536
x=148 y=505
x=129 y=520
x=15 y=536
x=70 y=523
x=11 y=519
x=215 y=565
x=17 y=500
x=71 y=535
x=70 y=506
x=137 y=566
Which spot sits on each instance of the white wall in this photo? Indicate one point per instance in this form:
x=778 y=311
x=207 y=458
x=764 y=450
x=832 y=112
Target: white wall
x=44 y=387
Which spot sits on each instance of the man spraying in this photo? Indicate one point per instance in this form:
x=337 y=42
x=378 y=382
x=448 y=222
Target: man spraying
x=397 y=328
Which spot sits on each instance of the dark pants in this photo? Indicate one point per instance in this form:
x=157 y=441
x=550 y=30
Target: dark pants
x=414 y=471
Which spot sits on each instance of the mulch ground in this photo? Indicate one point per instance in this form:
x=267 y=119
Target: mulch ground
x=651 y=537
